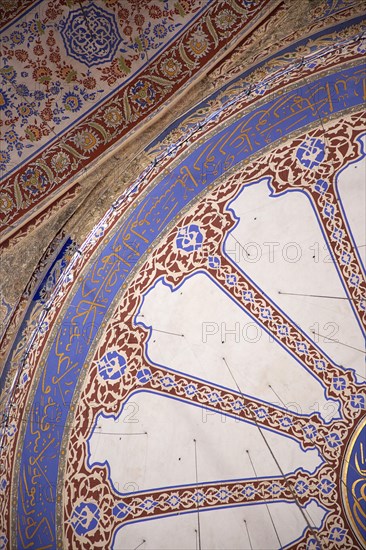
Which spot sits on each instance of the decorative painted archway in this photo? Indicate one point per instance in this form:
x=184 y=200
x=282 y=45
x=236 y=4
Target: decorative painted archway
x=200 y=361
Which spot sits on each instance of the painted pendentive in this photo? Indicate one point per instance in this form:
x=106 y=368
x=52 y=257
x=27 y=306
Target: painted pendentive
x=86 y=99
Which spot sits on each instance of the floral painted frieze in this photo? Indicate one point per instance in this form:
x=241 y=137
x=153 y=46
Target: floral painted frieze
x=76 y=78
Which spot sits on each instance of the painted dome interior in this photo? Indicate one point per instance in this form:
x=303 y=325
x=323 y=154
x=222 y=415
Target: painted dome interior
x=183 y=366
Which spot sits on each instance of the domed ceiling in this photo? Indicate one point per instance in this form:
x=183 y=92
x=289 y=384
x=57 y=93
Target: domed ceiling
x=192 y=376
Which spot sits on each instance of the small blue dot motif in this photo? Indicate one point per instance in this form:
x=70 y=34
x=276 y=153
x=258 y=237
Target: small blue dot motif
x=265 y=313
x=248 y=296
x=345 y=258
x=275 y=488
x=249 y=491
x=198 y=497
x=326 y=486
x=120 y=510
x=231 y=279
x=310 y=431
x=313 y=545
x=321 y=186
x=301 y=487
x=148 y=504
x=190 y=389
x=214 y=262
x=358 y=401
x=223 y=494
x=173 y=500
x=144 y=375
x=333 y=440
x=282 y=330
x=286 y=422
x=339 y=383
x=328 y=210
x=354 y=279
x=337 y=534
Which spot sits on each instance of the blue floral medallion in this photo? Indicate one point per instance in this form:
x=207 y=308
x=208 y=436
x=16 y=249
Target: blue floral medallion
x=189 y=238
x=90 y=35
x=85 y=517
x=311 y=153
x=111 y=366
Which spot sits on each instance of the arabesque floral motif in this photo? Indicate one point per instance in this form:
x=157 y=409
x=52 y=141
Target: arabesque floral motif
x=65 y=90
